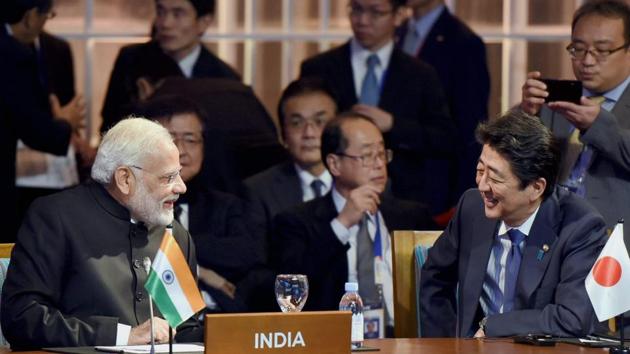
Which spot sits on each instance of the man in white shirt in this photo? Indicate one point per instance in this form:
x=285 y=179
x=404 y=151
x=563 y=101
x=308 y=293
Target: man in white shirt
x=595 y=133
x=345 y=235
x=306 y=105
x=401 y=94
x=174 y=50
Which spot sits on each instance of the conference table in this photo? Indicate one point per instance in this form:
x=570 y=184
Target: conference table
x=452 y=346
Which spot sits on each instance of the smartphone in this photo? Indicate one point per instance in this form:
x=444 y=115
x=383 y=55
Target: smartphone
x=563 y=90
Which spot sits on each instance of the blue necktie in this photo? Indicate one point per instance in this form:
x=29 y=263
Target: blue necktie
x=512 y=265
x=370 y=90
x=317 y=186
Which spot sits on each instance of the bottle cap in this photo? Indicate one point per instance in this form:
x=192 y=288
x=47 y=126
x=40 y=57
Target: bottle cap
x=352 y=286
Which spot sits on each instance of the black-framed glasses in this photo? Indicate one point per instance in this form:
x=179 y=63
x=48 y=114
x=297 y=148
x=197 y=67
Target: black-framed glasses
x=168 y=179
x=579 y=52
x=368 y=160
x=372 y=13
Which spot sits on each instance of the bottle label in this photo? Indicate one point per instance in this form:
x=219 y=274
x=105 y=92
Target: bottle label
x=357 y=327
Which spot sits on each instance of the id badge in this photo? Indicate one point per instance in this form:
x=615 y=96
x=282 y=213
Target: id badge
x=373 y=322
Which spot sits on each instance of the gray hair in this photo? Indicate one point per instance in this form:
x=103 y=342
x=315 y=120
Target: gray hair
x=127 y=143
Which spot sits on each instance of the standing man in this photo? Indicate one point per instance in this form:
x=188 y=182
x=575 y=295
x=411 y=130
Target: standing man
x=174 y=50
x=345 y=236
x=306 y=105
x=595 y=133
x=440 y=39
x=514 y=258
x=26 y=112
x=402 y=95
x=76 y=276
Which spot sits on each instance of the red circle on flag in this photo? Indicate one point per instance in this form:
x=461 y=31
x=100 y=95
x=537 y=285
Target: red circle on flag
x=607 y=271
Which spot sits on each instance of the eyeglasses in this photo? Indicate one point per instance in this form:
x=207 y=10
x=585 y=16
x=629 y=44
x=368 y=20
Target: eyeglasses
x=187 y=140
x=368 y=160
x=579 y=52
x=373 y=14
x=167 y=180
x=301 y=122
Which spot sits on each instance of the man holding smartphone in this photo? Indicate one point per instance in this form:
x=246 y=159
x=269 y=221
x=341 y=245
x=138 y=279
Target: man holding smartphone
x=595 y=133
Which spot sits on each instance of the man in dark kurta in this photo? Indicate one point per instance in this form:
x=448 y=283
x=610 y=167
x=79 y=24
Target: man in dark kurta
x=76 y=276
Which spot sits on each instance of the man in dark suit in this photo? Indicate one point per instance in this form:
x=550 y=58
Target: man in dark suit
x=440 y=39
x=306 y=105
x=514 y=258
x=401 y=94
x=226 y=253
x=595 y=134
x=345 y=235
x=174 y=50
x=76 y=276
x=25 y=108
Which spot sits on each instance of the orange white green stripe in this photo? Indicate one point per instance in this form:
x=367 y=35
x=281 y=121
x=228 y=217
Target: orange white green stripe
x=172 y=285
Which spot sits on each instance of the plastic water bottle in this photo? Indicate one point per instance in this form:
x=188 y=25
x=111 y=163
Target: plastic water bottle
x=351 y=301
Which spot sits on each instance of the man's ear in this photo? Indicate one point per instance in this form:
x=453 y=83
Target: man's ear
x=538 y=188
x=124 y=180
x=203 y=22
x=333 y=161
x=400 y=14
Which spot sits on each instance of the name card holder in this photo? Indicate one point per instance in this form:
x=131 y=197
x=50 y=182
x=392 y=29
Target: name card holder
x=316 y=332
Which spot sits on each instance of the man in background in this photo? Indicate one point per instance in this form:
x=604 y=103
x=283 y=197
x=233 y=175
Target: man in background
x=440 y=39
x=26 y=110
x=227 y=254
x=174 y=50
x=345 y=235
x=595 y=134
x=306 y=105
x=402 y=95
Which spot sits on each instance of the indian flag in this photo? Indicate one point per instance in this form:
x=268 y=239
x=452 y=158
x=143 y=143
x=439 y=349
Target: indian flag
x=171 y=284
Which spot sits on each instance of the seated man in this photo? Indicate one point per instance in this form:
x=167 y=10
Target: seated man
x=76 y=276
x=514 y=258
x=175 y=50
x=344 y=236
x=226 y=253
x=304 y=108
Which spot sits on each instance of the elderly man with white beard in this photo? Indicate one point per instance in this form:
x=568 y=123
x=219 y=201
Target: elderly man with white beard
x=76 y=276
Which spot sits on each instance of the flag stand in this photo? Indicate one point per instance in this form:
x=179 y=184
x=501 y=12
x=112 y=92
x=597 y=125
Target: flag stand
x=621 y=349
x=170 y=340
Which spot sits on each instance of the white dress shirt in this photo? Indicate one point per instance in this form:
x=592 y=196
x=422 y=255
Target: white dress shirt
x=349 y=236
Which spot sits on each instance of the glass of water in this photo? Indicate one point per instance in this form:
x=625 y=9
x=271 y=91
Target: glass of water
x=291 y=291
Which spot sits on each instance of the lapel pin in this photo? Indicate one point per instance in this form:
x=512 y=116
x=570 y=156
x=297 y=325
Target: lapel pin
x=541 y=252
x=439 y=38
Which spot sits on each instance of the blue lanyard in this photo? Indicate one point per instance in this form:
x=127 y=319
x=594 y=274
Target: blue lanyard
x=378 y=248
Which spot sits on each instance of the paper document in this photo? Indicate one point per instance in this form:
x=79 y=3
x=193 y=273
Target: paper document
x=159 y=348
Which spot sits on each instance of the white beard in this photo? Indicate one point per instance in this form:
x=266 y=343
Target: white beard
x=149 y=210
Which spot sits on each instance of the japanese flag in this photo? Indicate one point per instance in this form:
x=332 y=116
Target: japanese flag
x=608 y=283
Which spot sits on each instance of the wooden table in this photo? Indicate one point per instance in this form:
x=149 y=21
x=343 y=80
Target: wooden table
x=470 y=346
x=452 y=346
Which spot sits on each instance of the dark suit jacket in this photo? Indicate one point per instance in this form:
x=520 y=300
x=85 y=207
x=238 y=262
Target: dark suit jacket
x=459 y=57
x=550 y=293
x=76 y=271
x=56 y=56
x=222 y=241
x=24 y=114
x=422 y=128
x=149 y=61
x=306 y=244
x=269 y=193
